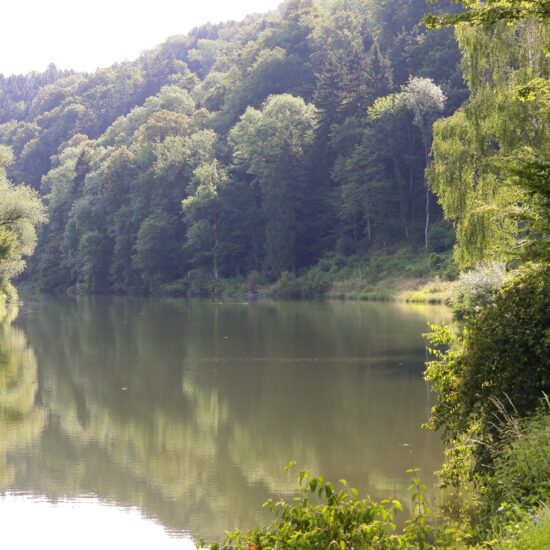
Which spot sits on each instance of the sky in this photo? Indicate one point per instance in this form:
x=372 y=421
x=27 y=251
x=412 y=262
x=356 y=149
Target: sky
x=87 y=34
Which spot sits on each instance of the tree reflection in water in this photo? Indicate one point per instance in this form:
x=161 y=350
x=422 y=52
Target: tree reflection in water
x=191 y=410
x=21 y=420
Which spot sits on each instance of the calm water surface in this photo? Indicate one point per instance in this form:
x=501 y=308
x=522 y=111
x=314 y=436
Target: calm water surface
x=134 y=423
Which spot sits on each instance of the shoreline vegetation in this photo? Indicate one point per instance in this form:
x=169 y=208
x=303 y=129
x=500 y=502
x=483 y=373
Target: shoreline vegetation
x=404 y=275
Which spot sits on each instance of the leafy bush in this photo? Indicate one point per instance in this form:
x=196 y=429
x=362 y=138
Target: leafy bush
x=409 y=262
x=477 y=288
x=8 y=292
x=504 y=355
x=288 y=286
x=450 y=271
x=315 y=284
x=198 y=283
x=326 y=518
x=505 y=502
x=253 y=282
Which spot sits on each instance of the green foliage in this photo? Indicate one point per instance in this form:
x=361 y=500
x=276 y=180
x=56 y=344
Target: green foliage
x=443 y=265
x=327 y=517
x=407 y=262
x=156 y=249
x=21 y=211
x=253 y=281
x=511 y=499
x=503 y=356
x=491 y=177
x=288 y=286
x=271 y=133
x=489 y=156
x=476 y=289
x=271 y=145
x=441 y=236
x=380 y=276
x=530 y=170
x=374 y=183
x=202 y=210
x=487 y=13
x=199 y=283
x=315 y=283
x=521 y=474
x=532 y=532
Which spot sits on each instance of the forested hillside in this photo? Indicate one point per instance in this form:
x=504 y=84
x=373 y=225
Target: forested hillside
x=258 y=146
x=303 y=143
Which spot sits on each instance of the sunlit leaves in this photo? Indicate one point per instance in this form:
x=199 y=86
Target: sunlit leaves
x=470 y=174
x=491 y=11
x=21 y=211
x=271 y=145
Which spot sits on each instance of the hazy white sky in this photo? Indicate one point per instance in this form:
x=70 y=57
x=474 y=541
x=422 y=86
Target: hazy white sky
x=86 y=34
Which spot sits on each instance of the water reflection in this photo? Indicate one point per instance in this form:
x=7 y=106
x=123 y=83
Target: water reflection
x=190 y=410
x=21 y=420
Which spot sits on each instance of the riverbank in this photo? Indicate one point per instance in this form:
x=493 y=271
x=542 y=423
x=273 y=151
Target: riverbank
x=408 y=290
x=403 y=275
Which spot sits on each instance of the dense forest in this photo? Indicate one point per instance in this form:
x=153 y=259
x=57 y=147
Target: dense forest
x=255 y=147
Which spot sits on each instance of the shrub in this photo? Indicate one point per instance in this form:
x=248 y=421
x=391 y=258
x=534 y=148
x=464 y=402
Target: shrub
x=198 y=283
x=477 y=289
x=450 y=271
x=315 y=284
x=288 y=286
x=444 y=265
x=253 y=282
x=8 y=292
x=507 y=350
x=503 y=354
x=324 y=517
x=513 y=509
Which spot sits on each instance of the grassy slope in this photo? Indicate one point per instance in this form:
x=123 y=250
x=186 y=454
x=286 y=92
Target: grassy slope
x=404 y=275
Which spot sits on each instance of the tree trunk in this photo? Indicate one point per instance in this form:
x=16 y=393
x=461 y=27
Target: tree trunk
x=215 y=255
x=427 y=217
x=427 y=226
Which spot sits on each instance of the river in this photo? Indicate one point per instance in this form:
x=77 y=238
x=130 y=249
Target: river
x=136 y=423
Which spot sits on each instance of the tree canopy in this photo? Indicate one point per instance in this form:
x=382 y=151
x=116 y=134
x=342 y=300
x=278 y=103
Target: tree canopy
x=253 y=146
x=20 y=212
